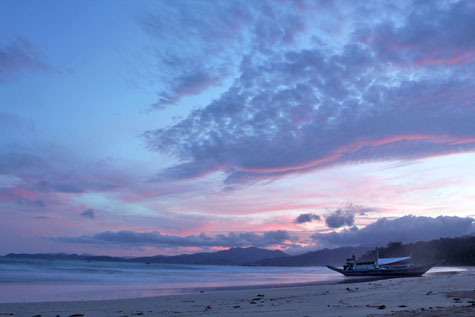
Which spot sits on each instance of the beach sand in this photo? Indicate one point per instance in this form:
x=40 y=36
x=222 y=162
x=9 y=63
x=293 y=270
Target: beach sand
x=448 y=294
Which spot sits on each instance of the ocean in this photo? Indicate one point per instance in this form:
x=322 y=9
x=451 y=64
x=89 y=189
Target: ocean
x=23 y=280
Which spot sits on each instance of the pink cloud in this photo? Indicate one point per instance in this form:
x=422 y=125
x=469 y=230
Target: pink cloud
x=458 y=59
x=342 y=151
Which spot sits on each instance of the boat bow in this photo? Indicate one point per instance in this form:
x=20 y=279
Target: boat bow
x=335 y=269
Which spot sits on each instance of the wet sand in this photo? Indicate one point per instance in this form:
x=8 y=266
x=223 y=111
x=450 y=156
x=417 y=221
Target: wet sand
x=430 y=295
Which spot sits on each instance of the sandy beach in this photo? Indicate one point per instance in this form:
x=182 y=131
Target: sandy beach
x=444 y=294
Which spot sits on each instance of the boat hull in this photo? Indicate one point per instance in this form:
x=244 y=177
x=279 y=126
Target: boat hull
x=414 y=271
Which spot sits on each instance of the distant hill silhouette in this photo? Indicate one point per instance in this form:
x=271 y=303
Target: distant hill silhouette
x=455 y=251
x=314 y=258
x=233 y=256
x=65 y=256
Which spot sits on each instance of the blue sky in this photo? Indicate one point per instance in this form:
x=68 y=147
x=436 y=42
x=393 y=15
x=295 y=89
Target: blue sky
x=144 y=127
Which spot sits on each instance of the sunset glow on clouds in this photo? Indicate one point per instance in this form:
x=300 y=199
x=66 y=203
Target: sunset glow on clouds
x=166 y=127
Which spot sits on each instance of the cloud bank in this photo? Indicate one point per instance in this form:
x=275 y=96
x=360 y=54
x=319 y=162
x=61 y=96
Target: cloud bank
x=158 y=240
x=404 y=229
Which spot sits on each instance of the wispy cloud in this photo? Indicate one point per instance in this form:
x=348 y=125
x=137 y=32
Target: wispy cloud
x=19 y=56
x=203 y=53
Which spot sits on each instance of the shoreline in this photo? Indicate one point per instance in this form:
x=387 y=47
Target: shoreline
x=430 y=295
x=137 y=292
x=345 y=280
x=219 y=289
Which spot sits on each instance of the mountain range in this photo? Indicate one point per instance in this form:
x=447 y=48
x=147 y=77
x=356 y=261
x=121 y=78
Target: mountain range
x=455 y=251
x=232 y=256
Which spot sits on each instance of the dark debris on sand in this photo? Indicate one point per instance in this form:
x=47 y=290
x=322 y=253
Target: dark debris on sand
x=461 y=311
x=468 y=310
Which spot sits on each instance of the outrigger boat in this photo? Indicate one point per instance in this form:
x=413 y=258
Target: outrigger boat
x=382 y=267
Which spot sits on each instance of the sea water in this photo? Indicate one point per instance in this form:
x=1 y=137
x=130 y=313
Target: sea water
x=58 y=280
x=25 y=280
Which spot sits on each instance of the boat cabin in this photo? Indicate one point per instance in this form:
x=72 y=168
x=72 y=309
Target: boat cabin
x=380 y=263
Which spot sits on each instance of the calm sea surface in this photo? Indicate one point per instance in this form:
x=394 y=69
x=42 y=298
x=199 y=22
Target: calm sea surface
x=59 y=280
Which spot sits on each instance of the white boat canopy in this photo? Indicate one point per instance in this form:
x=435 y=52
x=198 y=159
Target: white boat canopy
x=384 y=261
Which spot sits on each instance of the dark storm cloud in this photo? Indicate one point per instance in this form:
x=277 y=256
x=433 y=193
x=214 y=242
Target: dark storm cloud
x=17 y=57
x=340 y=218
x=291 y=111
x=88 y=213
x=404 y=229
x=345 y=216
x=156 y=239
x=303 y=218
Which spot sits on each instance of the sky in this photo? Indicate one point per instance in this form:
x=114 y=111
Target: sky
x=169 y=127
